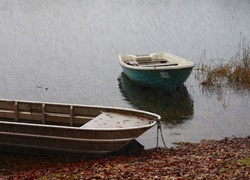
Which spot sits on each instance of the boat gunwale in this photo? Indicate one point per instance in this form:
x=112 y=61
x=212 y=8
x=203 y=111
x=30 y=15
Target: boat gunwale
x=153 y=122
x=155 y=68
x=188 y=65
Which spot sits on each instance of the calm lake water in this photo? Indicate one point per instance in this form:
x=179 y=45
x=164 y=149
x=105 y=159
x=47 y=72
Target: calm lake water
x=66 y=51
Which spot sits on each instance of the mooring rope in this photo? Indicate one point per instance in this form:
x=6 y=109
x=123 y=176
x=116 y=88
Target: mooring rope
x=157 y=138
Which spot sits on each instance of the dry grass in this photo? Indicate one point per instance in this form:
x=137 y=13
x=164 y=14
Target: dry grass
x=234 y=73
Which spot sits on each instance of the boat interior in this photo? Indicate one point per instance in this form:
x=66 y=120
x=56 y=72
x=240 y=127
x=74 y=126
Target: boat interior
x=148 y=61
x=42 y=113
x=67 y=115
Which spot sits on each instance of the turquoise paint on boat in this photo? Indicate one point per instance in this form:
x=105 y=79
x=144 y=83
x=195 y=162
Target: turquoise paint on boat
x=157 y=70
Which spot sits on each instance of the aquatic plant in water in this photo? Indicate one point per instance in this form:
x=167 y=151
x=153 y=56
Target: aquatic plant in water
x=234 y=73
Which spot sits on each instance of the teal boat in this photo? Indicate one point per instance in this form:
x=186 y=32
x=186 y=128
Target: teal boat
x=156 y=70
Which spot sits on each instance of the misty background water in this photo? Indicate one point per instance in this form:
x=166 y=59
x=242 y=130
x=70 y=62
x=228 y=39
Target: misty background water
x=67 y=52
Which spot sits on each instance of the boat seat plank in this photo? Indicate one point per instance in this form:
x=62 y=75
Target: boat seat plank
x=161 y=64
x=153 y=61
x=132 y=63
x=143 y=58
x=115 y=120
x=149 y=63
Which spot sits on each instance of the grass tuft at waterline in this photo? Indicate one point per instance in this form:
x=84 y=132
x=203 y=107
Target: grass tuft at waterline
x=234 y=73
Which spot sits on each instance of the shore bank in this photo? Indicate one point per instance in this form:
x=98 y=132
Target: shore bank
x=228 y=158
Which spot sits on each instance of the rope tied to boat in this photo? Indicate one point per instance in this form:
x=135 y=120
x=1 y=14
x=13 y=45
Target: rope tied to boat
x=159 y=129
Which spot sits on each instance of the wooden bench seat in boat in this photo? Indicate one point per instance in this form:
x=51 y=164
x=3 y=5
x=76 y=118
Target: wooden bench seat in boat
x=151 y=63
x=115 y=120
x=160 y=64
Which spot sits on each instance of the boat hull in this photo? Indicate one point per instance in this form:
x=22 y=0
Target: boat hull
x=62 y=127
x=167 y=79
x=66 y=139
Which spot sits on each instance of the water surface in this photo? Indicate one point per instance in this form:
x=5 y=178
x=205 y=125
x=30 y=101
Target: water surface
x=67 y=51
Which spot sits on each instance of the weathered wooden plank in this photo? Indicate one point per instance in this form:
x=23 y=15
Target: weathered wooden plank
x=30 y=116
x=7 y=105
x=63 y=118
x=57 y=108
x=30 y=106
x=7 y=114
x=86 y=111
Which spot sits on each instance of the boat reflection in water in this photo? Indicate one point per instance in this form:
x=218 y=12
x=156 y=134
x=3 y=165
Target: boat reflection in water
x=174 y=108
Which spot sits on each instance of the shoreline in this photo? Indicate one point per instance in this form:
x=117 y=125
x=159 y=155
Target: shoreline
x=228 y=158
